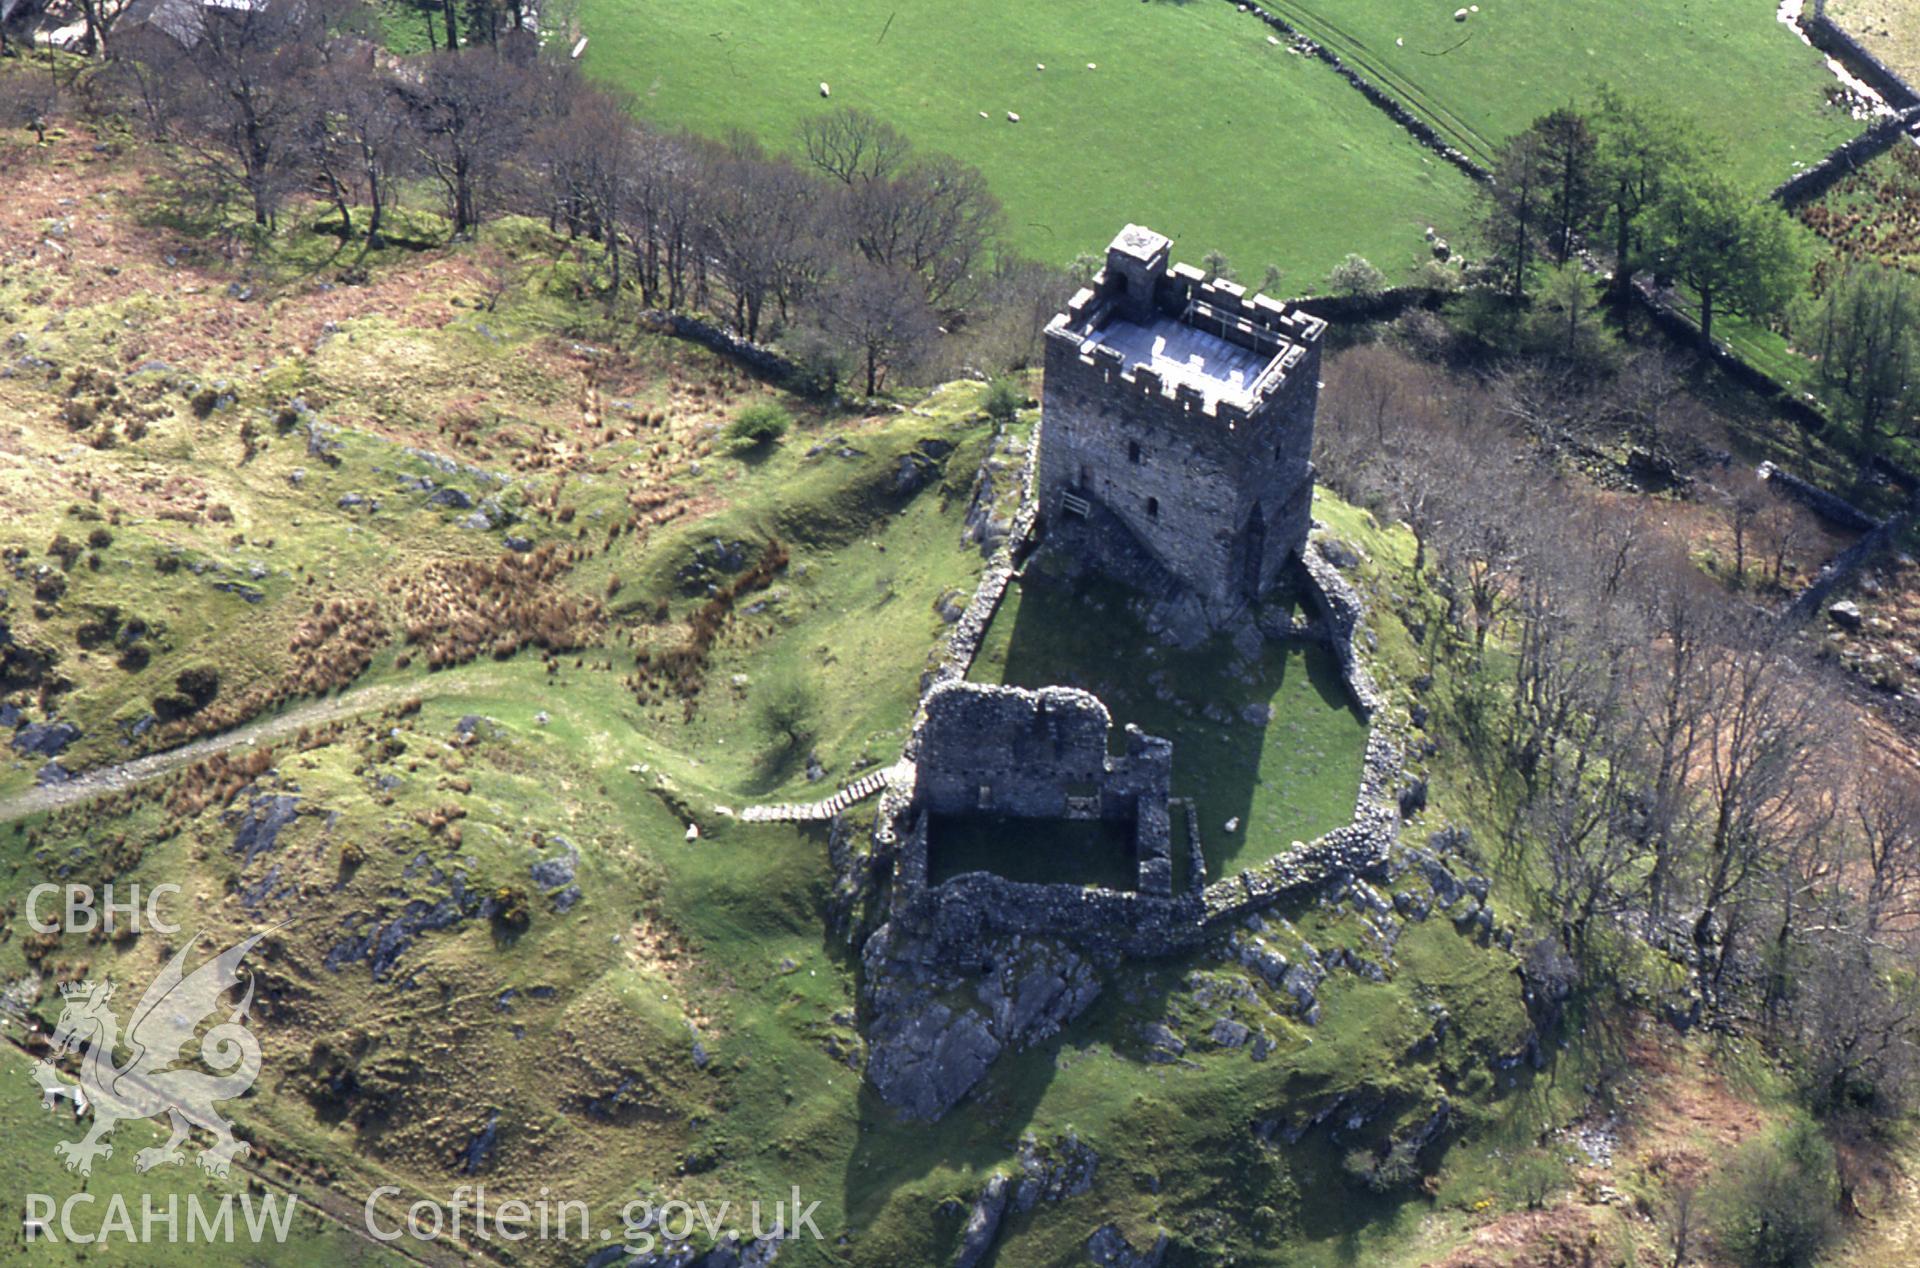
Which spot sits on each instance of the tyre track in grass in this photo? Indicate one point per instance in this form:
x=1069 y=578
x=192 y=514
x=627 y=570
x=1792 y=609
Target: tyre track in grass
x=1438 y=127
x=1358 y=52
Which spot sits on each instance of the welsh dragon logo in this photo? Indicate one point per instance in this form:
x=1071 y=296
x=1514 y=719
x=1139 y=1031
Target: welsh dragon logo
x=147 y=1084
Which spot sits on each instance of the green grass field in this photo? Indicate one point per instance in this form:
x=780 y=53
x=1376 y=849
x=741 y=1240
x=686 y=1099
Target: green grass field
x=1043 y=853
x=1727 y=65
x=1192 y=123
x=1291 y=777
x=1196 y=124
x=1886 y=27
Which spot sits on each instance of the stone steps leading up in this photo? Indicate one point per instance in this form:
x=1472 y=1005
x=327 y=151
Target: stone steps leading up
x=814 y=811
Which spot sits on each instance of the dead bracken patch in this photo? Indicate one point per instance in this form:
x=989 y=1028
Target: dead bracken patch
x=334 y=644
x=459 y=610
x=1559 y=1237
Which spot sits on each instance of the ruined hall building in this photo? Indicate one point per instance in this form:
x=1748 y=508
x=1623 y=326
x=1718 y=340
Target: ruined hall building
x=1181 y=410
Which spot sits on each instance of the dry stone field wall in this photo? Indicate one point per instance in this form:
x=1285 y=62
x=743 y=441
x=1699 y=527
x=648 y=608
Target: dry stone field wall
x=1416 y=127
x=1898 y=96
x=1832 y=39
x=1820 y=31
x=1811 y=182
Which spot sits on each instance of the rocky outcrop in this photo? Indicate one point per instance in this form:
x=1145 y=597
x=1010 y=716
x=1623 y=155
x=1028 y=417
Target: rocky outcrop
x=44 y=739
x=1007 y=466
x=924 y=1056
x=983 y=1223
x=1055 y=1171
x=729 y=1252
x=935 y=1027
x=1110 y=1248
x=257 y=829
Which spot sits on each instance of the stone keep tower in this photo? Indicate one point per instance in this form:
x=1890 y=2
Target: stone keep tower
x=1184 y=409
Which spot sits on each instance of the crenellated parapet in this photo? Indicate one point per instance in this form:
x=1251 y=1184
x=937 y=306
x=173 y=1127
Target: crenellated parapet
x=1185 y=407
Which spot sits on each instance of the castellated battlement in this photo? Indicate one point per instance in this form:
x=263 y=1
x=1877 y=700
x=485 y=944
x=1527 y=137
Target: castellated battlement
x=1185 y=407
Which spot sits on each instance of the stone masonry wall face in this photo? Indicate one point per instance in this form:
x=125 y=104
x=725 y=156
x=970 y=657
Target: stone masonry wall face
x=1024 y=747
x=1220 y=495
x=1197 y=482
x=1033 y=754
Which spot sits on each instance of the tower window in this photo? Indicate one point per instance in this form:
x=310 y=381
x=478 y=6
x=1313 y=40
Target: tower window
x=1153 y=508
x=1133 y=452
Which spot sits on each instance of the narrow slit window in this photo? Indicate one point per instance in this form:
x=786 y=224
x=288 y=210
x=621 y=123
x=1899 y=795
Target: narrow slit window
x=1133 y=452
x=1153 y=508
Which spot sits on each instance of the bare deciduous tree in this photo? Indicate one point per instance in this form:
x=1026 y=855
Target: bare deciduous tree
x=358 y=138
x=470 y=109
x=935 y=219
x=766 y=243
x=1885 y=806
x=853 y=147
x=1762 y=728
x=239 y=94
x=880 y=317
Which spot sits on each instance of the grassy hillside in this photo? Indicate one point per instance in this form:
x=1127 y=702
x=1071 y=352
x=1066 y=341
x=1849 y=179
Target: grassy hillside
x=1192 y=122
x=1728 y=65
x=506 y=958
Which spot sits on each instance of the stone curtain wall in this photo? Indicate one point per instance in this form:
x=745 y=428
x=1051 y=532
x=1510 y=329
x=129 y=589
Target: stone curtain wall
x=1341 y=611
x=1360 y=847
x=890 y=839
x=968 y=908
x=963 y=642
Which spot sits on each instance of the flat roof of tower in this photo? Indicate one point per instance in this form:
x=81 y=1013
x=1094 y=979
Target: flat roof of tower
x=1180 y=353
x=1140 y=242
x=1206 y=342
